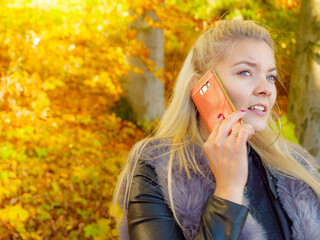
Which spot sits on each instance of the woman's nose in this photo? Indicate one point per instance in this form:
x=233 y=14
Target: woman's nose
x=263 y=88
x=266 y=92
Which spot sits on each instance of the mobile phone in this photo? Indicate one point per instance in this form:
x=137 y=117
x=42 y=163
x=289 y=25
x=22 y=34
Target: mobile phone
x=211 y=99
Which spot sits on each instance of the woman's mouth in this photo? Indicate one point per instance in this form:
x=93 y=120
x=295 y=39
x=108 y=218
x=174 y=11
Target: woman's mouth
x=259 y=109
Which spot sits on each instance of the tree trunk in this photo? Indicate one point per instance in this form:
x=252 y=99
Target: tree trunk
x=304 y=95
x=145 y=93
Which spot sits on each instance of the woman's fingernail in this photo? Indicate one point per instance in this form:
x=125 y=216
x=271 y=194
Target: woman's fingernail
x=220 y=115
x=243 y=110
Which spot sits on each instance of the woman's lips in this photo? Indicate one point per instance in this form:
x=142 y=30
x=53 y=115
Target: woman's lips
x=258 y=112
x=259 y=109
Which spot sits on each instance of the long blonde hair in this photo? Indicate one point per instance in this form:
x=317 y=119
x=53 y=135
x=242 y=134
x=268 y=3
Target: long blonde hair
x=179 y=122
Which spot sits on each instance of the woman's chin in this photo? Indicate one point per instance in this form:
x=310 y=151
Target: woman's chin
x=257 y=125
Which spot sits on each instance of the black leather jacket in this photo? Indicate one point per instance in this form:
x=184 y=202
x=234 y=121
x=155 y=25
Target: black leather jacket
x=149 y=217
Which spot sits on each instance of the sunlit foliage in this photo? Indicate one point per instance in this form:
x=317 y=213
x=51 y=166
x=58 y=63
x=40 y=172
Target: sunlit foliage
x=61 y=147
x=61 y=67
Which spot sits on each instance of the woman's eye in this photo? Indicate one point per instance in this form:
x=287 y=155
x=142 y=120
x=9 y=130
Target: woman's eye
x=246 y=73
x=273 y=77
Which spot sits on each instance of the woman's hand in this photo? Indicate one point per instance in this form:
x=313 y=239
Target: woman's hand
x=226 y=150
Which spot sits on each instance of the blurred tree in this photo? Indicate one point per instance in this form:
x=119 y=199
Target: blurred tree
x=304 y=95
x=145 y=91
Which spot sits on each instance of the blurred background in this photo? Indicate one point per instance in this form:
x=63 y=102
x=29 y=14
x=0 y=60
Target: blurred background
x=83 y=80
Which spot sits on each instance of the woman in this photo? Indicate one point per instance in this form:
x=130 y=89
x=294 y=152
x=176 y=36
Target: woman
x=240 y=181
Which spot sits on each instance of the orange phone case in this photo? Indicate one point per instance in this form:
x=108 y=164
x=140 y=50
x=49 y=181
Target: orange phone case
x=211 y=98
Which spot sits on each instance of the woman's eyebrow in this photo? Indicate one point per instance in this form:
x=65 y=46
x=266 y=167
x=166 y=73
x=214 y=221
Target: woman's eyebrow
x=273 y=69
x=252 y=64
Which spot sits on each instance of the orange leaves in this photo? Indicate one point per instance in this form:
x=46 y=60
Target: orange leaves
x=159 y=74
x=131 y=34
x=289 y=4
x=104 y=79
x=149 y=20
x=61 y=146
x=22 y=93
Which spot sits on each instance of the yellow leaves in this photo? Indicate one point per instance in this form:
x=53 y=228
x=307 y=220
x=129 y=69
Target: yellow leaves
x=42 y=101
x=27 y=197
x=52 y=83
x=15 y=215
x=20 y=90
x=159 y=73
x=99 y=229
x=60 y=142
x=56 y=188
x=149 y=20
x=110 y=85
x=9 y=184
x=4 y=193
x=35 y=79
x=43 y=215
x=138 y=70
x=131 y=34
x=85 y=174
x=105 y=79
x=288 y=4
x=33 y=189
x=33 y=236
x=14 y=186
x=139 y=10
x=68 y=117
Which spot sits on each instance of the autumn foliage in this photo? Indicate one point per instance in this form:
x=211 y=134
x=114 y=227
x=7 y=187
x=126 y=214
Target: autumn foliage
x=62 y=144
x=61 y=147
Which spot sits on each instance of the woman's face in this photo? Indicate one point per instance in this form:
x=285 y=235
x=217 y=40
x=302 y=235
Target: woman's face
x=248 y=72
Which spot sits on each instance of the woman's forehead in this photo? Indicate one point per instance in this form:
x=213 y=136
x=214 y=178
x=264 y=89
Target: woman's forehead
x=248 y=50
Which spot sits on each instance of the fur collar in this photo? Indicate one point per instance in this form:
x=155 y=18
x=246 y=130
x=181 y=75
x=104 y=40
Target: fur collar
x=190 y=196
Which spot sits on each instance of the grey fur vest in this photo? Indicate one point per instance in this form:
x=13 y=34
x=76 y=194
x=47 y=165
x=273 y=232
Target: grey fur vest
x=190 y=196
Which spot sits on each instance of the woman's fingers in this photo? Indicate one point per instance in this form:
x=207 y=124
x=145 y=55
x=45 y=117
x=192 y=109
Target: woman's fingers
x=226 y=125
x=229 y=135
x=217 y=127
x=220 y=137
x=244 y=134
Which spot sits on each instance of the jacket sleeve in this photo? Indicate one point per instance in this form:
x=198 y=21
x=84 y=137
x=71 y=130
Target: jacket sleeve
x=221 y=219
x=149 y=217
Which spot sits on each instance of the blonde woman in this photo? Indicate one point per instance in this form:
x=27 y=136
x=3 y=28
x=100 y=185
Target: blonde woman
x=240 y=181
